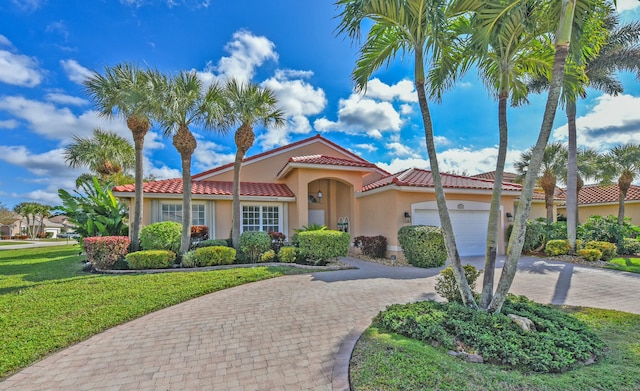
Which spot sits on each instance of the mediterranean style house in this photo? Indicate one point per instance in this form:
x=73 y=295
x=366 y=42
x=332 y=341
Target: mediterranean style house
x=317 y=181
x=604 y=201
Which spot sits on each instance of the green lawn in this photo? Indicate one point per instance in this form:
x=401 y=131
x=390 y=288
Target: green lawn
x=384 y=361
x=8 y=243
x=48 y=303
x=625 y=264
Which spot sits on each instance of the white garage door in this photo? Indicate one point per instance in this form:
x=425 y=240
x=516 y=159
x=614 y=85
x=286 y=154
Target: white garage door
x=469 y=228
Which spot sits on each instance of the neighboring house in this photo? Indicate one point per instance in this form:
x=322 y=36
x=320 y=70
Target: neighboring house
x=50 y=227
x=603 y=201
x=317 y=181
x=11 y=227
x=63 y=220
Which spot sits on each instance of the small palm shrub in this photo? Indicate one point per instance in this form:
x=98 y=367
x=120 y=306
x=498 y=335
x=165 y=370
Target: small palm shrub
x=423 y=245
x=287 y=254
x=590 y=254
x=371 y=246
x=447 y=287
x=214 y=256
x=253 y=244
x=165 y=235
x=150 y=259
x=609 y=250
x=104 y=251
x=320 y=246
x=557 y=247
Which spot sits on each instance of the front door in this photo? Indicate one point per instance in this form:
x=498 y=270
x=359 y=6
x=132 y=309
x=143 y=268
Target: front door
x=316 y=216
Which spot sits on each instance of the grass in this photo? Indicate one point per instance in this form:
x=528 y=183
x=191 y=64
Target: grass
x=625 y=264
x=386 y=361
x=5 y=243
x=47 y=303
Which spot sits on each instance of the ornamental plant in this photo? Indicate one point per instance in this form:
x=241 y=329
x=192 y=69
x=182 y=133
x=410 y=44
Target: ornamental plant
x=150 y=259
x=104 y=251
x=557 y=247
x=321 y=245
x=609 y=250
x=253 y=244
x=423 y=245
x=165 y=235
x=371 y=246
x=590 y=254
x=447 y=287
x=288 y=254
x=214 y=256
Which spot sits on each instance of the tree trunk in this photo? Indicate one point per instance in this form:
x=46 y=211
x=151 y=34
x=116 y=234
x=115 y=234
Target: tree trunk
x=516 y=241
x=445 y=220
x=185 y=143
x=139 y=128
x=572 y=177
x=494 y=212
x=244 y=139
x=624 y=183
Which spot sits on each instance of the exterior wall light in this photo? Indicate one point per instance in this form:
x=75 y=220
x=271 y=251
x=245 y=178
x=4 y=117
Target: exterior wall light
x=509 y=217
x=407 y=217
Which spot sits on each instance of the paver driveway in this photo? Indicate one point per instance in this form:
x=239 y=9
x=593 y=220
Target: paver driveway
x=288 y=333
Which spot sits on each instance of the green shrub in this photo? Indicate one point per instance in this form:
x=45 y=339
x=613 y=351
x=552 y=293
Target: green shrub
x=151 y=259
x=607 y=229
x=165 y=235
x=212 y=242
x=609 y=250
x=631 y=246
x=199 y=233
x=268 y=256
x=590 y=254
x=253 y=244
x=215 y=256
x=287 y=254
x=104 y=251
x=371 y=246
x=189 y=259
x=321 y=245
x=423 y=245
x=447 y=287
x=557 y=247
x=305 y=228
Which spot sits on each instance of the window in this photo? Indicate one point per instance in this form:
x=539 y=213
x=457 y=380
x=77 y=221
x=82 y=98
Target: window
x=260 y=218
x=173 y=212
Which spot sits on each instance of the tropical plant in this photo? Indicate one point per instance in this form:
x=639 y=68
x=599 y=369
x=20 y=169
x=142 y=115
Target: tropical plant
x=125 y=91
x=96 y=212
x=186 y=102
x=249 y=105
x=34 y=213
x=623 y=162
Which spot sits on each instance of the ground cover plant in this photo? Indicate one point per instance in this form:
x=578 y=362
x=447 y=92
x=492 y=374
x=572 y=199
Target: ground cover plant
x=625 y=264
x=383 y=360
x=47 y=303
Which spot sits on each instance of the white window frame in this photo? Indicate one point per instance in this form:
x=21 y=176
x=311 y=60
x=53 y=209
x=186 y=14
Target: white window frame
x=262 y=205
x=193 y=205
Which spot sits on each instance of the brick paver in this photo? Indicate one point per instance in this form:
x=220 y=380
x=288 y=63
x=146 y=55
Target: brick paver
x=289 y=333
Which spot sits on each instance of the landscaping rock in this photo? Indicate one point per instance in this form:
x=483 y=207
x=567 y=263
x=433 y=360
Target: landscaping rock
x=525 y=323
x=474 y=358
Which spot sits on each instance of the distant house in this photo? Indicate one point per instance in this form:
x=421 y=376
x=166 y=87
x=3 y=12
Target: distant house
x=603 y=201
x=11 y=226
x=317 y=181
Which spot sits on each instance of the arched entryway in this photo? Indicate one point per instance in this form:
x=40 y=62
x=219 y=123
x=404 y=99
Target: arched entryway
x=330 y=203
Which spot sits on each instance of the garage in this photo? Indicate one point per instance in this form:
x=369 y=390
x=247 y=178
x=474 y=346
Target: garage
x=469 y=220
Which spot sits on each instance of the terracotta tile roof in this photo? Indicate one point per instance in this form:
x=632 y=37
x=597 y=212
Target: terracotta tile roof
x=331 y=161
x=416 y=177
x=174 y=186
x=595 y=194
x=491 y=175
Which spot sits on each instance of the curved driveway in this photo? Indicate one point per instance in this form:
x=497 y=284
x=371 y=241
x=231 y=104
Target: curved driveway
x=289 y=333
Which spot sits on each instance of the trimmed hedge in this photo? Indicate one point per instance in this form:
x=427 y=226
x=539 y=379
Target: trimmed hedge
x=212 y=242
x=609 y=250
x=557 y=247
x=322 y=245
x=165 y=235
x=150 y=259
x=253 y=244
x=371 y=246
x=104 y=251
x=423 y=245
x=287 y=254
x=214 y=256
x=591 y=254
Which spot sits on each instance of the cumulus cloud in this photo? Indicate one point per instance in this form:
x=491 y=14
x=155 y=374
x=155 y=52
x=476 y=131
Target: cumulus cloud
x=65 y=99
x=209 y=155
x=627 y=5
x=367 y=147
x=8 y=124
x=403 y=90
x=613 y=120
x=75 y=72
x=27 y=5
x=17 y=69
x=50 y=164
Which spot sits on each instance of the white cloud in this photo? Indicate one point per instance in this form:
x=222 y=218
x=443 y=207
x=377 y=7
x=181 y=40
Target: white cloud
x=209 y=155
x=613 y=120
x=367 y=147
x=397 y=164
x=65 y=99
x=18 y=69
x=75 y=72
x=627 y=5
x=400 y=150
x=8 y=124
x=362 y=115
x=27 y=5
x=403 y=90
x=161 y=171
x=58 y=27
x=406 y=109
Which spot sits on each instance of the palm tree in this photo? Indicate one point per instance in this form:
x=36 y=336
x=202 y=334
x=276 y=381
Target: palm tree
x=418 y=27
x=622 y=161
x=554 y=164
x=105 y=153
x=587 y=167
x=248 y=105
x=125 y=91
x=27 y=210
x=186 y=102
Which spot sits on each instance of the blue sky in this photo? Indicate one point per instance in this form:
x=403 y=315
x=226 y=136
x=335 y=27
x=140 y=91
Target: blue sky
x=47 y=47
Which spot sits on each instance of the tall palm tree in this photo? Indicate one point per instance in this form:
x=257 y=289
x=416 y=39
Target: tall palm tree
x=554 y=165
x=105 y=153
x=623 y=162
x=420 y=28
x=187 y=102
x=27 y=210
x=248 y=105
x=587 y=167
x=125 y=91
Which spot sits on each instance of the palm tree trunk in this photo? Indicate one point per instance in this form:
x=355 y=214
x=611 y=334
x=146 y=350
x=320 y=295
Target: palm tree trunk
x=136 y=224
x=516 y=241
x=445 y=220
x=572 y=177
x=235 y=204
x=624 y=183
x=185 y=143
x=494 y=212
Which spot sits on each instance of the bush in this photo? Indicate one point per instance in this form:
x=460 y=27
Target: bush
x=590 y=254
x=277 y=240
x=165 y=235
x=423 y=245
x=253 y=244
x=199 y=233
x=287 y=254
x=630 y=246
x=447 y=287
x=609 y=250
x=150 y=259
x=607 y=229
x=214 y=256
x=305 y=228
x=557 y=247
x=268 y=256
x=189 y=259
x=104 y=251
x=212 y=242
x=371 y=246
x=321 y=245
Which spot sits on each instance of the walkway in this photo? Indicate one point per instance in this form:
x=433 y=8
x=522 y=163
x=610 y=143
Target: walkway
x=288 y=333
x=33 y=243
